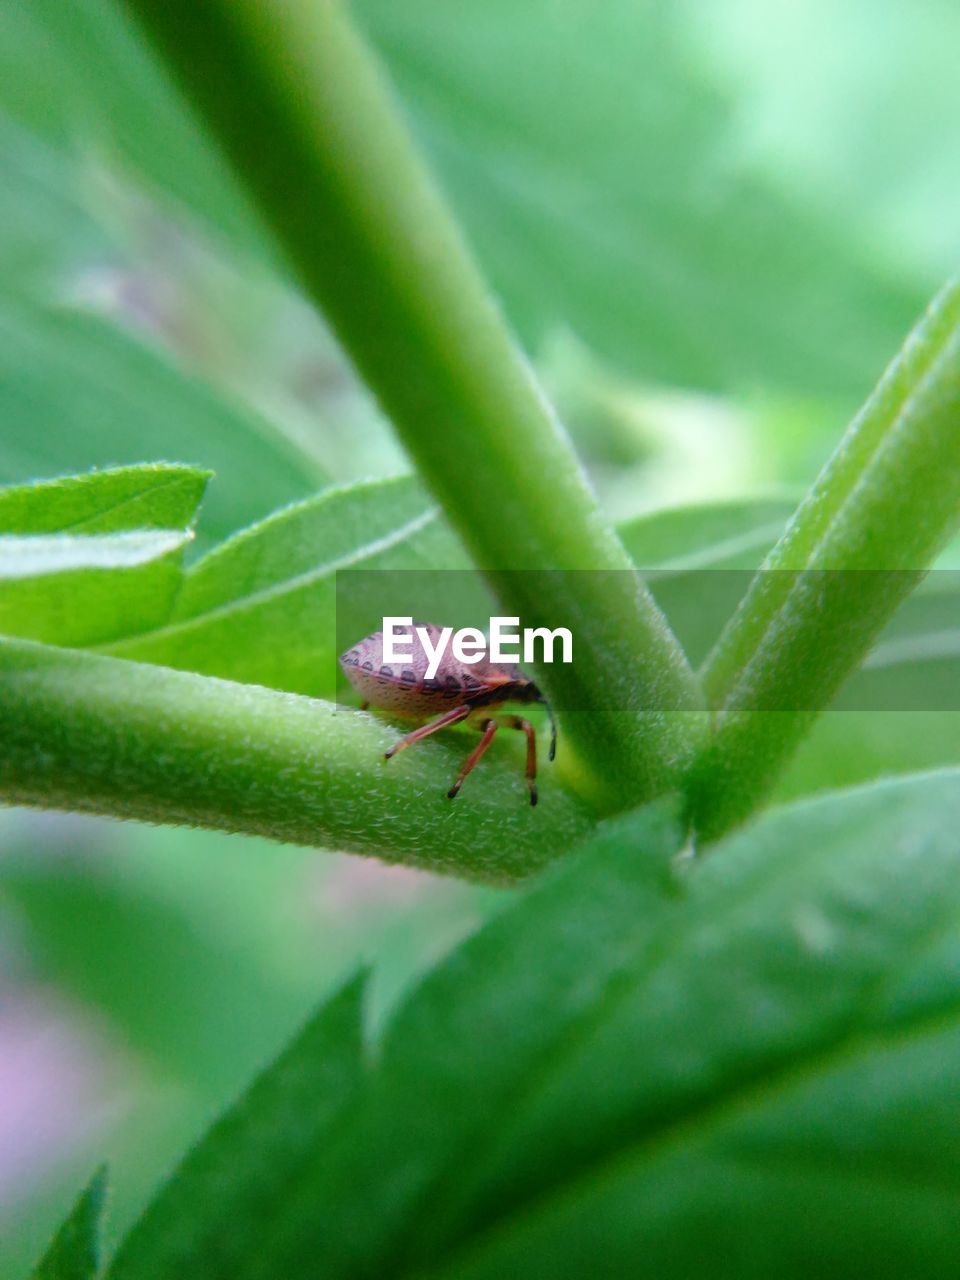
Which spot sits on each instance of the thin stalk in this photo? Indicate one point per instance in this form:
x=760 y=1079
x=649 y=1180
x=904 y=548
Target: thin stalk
x=301 y=109
x=858 y=544
x=102 y=735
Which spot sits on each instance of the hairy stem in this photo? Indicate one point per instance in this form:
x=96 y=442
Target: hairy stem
x=858 y=544
x=301 y=109
x=106 y=736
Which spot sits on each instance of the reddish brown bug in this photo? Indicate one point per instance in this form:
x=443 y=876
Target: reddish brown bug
x=458 y=691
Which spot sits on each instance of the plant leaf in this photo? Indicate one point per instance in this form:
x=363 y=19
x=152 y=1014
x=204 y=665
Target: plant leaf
x=915 y=664
x=74 y=1252
x=95 y=556
x=750 y=1047
x=156 y=495
x=85 y=919
x=208 y=1219
x=846 y=748
x=267 y=606
x=733 y=534
x=77 y=388
x=525 y=132
x=645 y=1067
x=46 y=231
x=901 y=710
x=696 y=561
x=39 y=557
x=76 y=391
x=559 y=135
x=90 y=76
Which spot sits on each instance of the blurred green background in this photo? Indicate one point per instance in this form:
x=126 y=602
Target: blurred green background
x=710 y=223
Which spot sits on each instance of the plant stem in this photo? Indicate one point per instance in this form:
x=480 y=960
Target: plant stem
x=858 y=544
x=106 y=736
x=300 y=107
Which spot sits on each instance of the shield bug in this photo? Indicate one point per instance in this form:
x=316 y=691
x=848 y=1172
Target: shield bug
x=458 y=691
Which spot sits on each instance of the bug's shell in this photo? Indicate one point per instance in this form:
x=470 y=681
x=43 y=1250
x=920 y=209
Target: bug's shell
x=403 y=688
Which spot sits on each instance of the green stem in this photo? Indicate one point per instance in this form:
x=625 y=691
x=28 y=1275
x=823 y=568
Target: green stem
x=858 y=544
x=102 y=735
x=311 y=128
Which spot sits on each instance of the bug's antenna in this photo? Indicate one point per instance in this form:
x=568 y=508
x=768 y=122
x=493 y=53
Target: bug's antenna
x=553 y=727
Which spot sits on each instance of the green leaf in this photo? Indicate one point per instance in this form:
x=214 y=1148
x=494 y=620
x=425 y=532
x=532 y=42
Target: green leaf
x=588 y=154
x=82 y=590
x=96 y=556
x=644 y=1061
x=91 y=79
x=696 y=560
x=901 y=711
x=525 y=132
x=77 y=392
x=915 y=664
x=267 y=606
x=868 y=125
x=209 y=1218
x=84 y=920
x=38 y=557
x=47 y=232
x=732 y=534
x=778 y=1032
x=76 y=389
x=277 y=1230
x=74 y=1252
x=849 y=747
x=78 y=232
x=150 y=496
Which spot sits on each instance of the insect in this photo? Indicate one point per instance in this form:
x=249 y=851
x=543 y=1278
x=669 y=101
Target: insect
x=458 y=691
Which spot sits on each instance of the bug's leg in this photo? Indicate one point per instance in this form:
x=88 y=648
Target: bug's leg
x=452 y=716
x=517 y=722
x=489 y=729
